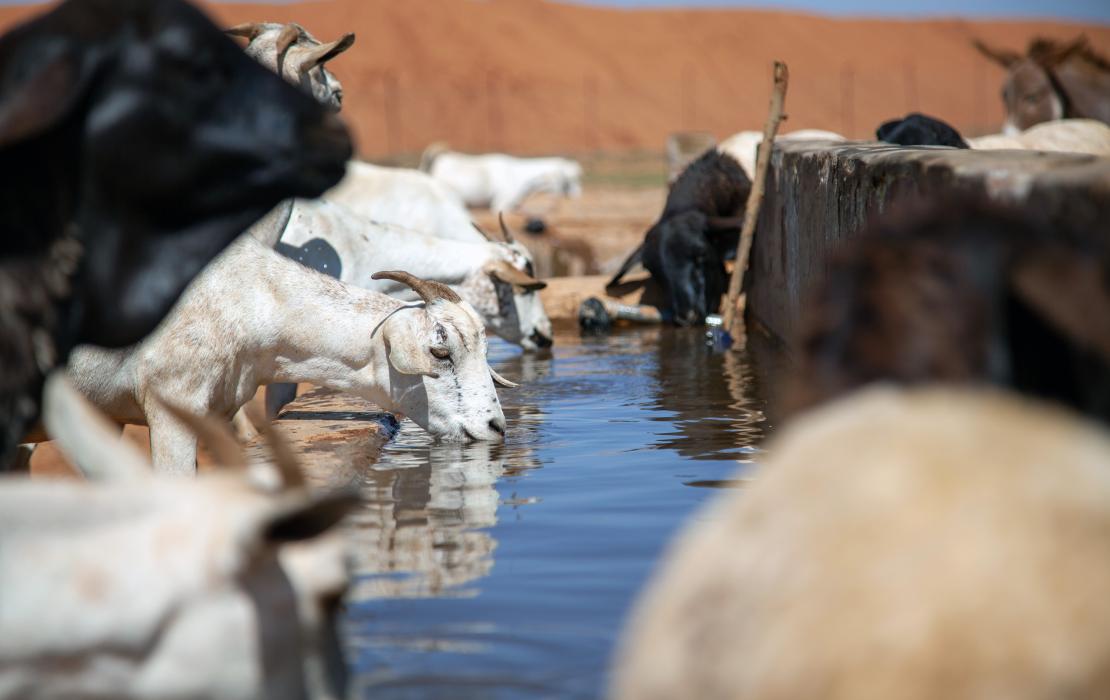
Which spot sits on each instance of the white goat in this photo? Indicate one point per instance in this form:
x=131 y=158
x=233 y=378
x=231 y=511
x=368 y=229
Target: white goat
x=294 y=54
x=744 y=145
x=1064 y=135
x=493 y=277
x=128 y=586
x=405 y=197
x=502 y=182
x=253 y=317
x=898 y=544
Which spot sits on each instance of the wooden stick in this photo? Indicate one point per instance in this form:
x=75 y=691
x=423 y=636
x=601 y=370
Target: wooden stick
x=755 y=197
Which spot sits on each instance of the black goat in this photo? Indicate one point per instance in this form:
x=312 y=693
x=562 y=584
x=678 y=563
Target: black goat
x=962 y=293
x=920 y=130
x=136 y=141
x=685 y=251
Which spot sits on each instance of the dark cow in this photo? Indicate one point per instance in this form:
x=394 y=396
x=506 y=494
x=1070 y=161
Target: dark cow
x=962 y=293
x=136 y=141
x=920 y=130
x=685 y=251
x=1053 y=80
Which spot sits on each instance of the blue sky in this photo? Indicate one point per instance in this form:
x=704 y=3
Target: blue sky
x=1078 y=10
x=1081 y=10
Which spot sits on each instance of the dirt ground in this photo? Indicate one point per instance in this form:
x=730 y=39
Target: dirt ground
x=532 y=76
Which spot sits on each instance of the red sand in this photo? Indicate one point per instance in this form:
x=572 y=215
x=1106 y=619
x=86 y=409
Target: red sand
x=533 y=76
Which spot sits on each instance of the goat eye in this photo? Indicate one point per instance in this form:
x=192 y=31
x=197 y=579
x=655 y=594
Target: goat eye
x=441 y=353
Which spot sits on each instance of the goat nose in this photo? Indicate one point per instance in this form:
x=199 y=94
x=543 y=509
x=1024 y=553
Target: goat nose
x=497 y=425
x=541 y=340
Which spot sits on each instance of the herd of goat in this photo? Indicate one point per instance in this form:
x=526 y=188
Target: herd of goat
x=941 y=535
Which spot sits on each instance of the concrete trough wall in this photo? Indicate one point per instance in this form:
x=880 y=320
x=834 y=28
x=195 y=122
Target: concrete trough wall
x=819 y=195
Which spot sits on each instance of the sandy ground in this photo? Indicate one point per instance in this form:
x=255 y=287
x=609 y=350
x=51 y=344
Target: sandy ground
x=535 y=76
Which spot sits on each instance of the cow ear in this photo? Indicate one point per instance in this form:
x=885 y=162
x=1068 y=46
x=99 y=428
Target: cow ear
x=37 y=94
x=1002 y=57
x=306 y=518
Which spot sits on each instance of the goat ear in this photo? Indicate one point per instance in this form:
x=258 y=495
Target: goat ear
x=326 y=52
x=1003 y=57
x=1060 y=53
x=504 y=272
x=634 y=259
x=299 y=518
x=34 y=99
x=86 y=436
x=406 y=352
x=1071 y=294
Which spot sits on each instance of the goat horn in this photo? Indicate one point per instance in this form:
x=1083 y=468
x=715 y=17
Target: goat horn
x=216 y=434
x=485 y=234
x=501 y=381
x=86 y=436
x=508 y=274
x=290 y=34
x=250 y=30
x=429 y=290
x=288 y=466
x=504 y=228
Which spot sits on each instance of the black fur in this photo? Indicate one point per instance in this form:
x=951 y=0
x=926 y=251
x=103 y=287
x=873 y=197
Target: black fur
x=686 y=249
x=920 y=130
x=138 y=131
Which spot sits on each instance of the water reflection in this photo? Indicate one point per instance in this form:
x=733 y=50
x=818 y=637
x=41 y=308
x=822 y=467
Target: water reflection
x=423 y=530
x=505 y=571
x=711 y=398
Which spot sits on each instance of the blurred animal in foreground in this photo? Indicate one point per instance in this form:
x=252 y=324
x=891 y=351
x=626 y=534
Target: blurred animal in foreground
x=136 y=141
x=1053 y=80
x=491 y=276
x=254 y=317
x=918 y=130
x=744 y=146
x=501 y=182
x=961 y=293
x=1063 y=136
x=294 y=54
x=685 y=250
x=897 y=544
x=129 y=586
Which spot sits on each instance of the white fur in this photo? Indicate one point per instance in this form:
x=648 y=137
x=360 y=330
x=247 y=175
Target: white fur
x=744 y=145
x=908 y=544
x=302 y=65
x=127 y=586
x=366 y=246
x=253 y=318
x=1064 y=135
x=501 y=182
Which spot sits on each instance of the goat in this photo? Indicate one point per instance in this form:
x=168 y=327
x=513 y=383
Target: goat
x=961 y=292
x=405 y=197
x=493 y=277
x=501 y=182
x=1063 y=135
x=685 y=250
x=254 y=317
x=897 y=544
x=136 y=141
x=291 y=52
x=918 y=130
x=128 y=586
x=1053 y=80
x=744 y=145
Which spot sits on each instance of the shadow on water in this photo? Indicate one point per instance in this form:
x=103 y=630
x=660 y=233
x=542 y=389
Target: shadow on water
x=505 y=571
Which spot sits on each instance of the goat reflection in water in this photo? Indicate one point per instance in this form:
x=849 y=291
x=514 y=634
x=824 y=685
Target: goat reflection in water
x=423 y=530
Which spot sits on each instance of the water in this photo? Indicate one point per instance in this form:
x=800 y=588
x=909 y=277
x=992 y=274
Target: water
x=507 y=571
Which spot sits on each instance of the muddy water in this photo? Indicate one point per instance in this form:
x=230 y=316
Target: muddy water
x=506 y=572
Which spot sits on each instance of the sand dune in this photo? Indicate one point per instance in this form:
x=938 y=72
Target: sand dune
x=533 y=76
